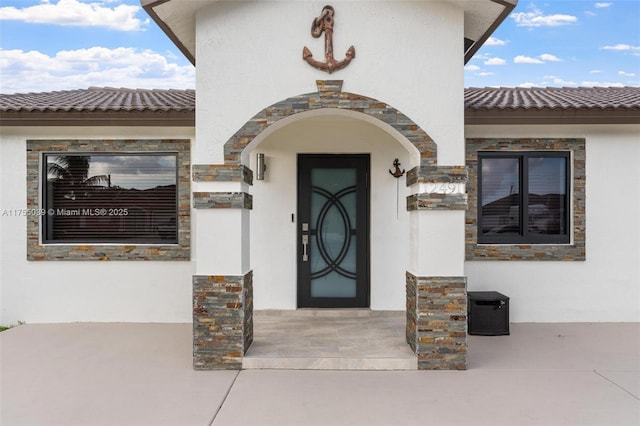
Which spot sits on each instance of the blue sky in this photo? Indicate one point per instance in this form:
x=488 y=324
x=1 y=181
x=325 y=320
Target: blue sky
x=48 y=45
x=562 y=43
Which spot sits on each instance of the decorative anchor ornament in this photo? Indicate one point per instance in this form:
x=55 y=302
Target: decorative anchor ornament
x=397 y=173
x=324 y=23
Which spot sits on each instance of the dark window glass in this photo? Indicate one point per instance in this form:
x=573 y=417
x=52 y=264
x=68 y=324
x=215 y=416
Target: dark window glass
x=500 y=196
x=110 y=198
x=547 y=191
x=523 y=198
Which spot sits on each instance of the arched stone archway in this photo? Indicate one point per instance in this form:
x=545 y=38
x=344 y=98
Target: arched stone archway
x=228 y=299
x=330 y=95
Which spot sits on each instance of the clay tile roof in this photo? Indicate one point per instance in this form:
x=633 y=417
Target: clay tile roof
x=111 y=106
x=552 y=105
x=100 y=106
x=553 y=97
x=101 y=99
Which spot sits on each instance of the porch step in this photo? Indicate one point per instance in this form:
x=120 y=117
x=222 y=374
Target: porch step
x=330 y=363
x=343 y=339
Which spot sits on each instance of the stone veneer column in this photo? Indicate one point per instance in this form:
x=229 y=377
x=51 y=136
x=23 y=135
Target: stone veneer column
x=222 y=290
x=437 y=294
x=222 y=321
x=437 y=321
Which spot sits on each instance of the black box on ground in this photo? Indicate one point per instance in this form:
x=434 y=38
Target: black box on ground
x=487 y=313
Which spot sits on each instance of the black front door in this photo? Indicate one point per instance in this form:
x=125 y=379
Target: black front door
x=333 y=231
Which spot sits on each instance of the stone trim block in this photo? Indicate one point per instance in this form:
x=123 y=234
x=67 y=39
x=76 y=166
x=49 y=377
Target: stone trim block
x=440 y=174
x=222 y=173
x=222 y=320
x=562 y=252
x=437 y=321
x=329 y=87
x=247 y=323
x=330 y=95
x=222 y=200
x=105 y=252
x=436 y=201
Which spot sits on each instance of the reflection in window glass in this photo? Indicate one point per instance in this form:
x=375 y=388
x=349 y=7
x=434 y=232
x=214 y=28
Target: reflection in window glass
x=547 y=195
x=523 y=197
x=500 y=196
x=117 y=198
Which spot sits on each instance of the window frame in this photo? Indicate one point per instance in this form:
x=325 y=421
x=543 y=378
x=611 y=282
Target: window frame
x=576 y=249
x=38 y=249
x=525 y=237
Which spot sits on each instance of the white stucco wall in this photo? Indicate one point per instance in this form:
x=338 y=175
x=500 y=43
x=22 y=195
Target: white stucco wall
x=408 y=54
x=61 y=291
x=605 y=287
x=249 y=56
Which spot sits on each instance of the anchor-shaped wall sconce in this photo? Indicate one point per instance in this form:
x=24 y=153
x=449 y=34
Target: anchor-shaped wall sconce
x=324 y=23
x=397 y=172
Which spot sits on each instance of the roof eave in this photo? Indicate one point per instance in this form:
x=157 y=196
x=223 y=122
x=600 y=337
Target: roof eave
x=508 y=5
x=547 y=116
x=98 y=118
x=148 y=6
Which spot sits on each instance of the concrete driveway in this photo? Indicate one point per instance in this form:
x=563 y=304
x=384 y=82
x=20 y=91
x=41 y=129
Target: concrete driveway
x=140 y=374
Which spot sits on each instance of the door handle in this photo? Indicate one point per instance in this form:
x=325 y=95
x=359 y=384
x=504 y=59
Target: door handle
x=305 y=243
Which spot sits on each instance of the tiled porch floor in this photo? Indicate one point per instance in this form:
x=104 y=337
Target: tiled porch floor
x=330 y=340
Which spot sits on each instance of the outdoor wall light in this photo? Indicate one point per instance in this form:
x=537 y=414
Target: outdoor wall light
x=260 y=166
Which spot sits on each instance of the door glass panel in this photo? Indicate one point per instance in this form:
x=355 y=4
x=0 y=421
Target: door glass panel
x=332 y=248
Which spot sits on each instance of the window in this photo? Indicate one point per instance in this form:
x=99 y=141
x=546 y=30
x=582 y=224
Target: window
x=527 y=199
x=110 y=198
x=523 y=198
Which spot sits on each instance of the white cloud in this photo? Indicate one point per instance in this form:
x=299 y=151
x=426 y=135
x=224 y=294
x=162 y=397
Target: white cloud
x=547 y=57
x=492 y=41
x=34 y=71
x=621 y=47
x=557 y=81
x=495 y=61
x=595 y=71
x=75 y=13
x=560 y=82
x=537 y=18
x=526 y=60
x=602 y=5
x=472 y=68
x=481 y=55
x=601 y=84
x=528 y=85
x=626 y=74
x=541 y=59
x=485 y=74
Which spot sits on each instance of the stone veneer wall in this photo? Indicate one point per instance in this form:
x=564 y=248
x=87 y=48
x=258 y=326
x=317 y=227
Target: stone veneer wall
x=437 y=202
x=222 y=320
x=437 y=321
x=102 y=252
x=574 y=251
x=222 y=200
x=444 y=176
x=222 y=305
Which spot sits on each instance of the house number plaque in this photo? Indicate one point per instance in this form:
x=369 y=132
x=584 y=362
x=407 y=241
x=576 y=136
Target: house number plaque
x=324 y=24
